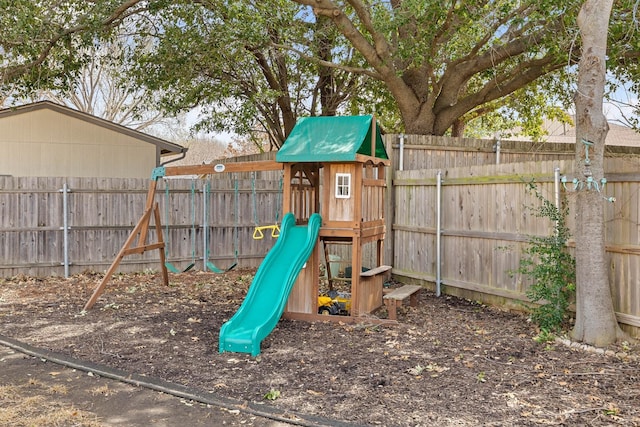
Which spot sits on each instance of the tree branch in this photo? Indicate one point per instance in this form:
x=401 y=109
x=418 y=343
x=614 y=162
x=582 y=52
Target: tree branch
x=328 y=64
x=497 y=88
x=120 y=13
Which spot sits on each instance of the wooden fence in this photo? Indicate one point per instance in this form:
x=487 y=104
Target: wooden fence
x=485 y=223
x=99 y=214
x=432 y=152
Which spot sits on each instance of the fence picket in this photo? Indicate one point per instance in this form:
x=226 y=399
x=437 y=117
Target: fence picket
x=485 y=223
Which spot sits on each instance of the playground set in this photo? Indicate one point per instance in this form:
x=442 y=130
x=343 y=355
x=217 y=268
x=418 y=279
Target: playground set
x=333 y=193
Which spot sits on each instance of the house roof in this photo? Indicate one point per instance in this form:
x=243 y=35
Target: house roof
x=333 y=139
x=566 y=133
x=617 y=135
x=166 y=148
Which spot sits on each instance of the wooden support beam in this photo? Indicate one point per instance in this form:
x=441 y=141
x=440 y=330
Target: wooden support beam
x=163 y=261
x=143 y=249
x=263 y=165
x=144 y=228
x=141 y=228
x=373 y=135
x=311 y=317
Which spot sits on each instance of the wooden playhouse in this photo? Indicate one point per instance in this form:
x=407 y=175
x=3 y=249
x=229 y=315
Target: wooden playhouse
x=335 y=166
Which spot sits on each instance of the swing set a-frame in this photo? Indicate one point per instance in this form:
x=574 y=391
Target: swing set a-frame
x=137 y=242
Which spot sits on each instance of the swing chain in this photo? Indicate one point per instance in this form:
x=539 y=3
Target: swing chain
x=258 y=232
x=279 y=200
x=236 y=239
x=210 y=265
x=166 y=217
x=253 y=194
x=193 y=221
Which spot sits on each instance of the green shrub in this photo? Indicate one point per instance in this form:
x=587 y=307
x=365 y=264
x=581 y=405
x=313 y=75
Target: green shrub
x=552 y=268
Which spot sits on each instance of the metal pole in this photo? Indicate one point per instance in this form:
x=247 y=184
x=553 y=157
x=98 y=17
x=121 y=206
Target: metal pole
x=401 y=156
x=438 y=231
x=205 y=227
x=498 y=151
x=556 y=191
x=65 y=229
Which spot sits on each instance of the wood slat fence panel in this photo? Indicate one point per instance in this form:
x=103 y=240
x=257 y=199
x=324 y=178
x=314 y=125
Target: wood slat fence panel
x=102 y=213
x=486 y=225
x=485 y=222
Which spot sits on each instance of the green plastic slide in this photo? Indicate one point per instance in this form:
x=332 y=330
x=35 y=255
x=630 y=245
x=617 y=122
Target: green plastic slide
x=267 y=296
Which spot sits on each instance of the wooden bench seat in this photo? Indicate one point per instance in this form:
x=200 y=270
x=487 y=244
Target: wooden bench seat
x=394 y=298
x=375 y=271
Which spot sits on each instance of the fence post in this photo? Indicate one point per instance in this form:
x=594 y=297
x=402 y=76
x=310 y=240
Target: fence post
x=401 y=154
x=389 y=208
x=496 y=147
x=65 y=228
x=556 y=186
x=205 y=225
x=438 y=230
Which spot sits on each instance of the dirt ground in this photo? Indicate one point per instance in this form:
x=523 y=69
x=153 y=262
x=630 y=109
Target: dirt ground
x=36 y=392
x=449 y=361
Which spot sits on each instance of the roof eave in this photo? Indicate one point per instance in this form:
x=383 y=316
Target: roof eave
x=166 y=147
x=361 y=158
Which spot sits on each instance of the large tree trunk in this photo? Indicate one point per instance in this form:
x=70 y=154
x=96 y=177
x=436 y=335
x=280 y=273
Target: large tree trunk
x=596 y=322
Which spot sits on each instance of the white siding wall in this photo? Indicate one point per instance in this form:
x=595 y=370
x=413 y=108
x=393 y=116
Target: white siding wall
x=47 y=143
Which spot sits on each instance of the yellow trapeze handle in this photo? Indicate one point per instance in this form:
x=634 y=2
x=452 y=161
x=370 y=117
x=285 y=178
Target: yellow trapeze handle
x=258 y=234
x=258 y=231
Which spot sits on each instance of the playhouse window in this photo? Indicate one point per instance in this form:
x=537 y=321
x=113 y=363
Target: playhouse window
x=343 y=185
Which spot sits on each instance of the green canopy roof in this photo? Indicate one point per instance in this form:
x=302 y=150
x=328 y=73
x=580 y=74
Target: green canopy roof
x=331 y=139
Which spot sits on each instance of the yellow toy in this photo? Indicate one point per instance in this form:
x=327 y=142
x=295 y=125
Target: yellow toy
x=258 y=233
x=334 y=303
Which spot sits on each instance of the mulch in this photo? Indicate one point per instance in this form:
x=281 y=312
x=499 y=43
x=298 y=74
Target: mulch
x=449 y=361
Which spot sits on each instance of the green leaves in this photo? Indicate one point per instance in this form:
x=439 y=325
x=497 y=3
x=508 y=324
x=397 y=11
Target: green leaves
x=256 y=66
x=45 y=44
x=272 y=394
x=551 y=267
x=245 y=64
